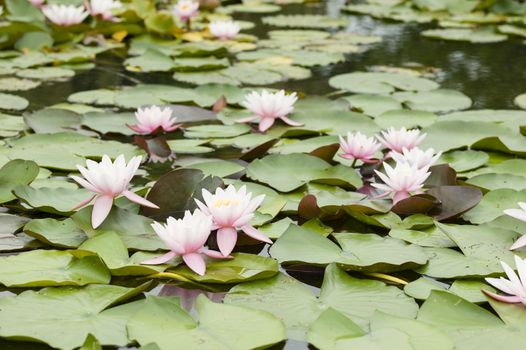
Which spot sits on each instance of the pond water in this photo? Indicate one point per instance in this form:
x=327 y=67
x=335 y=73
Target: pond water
x=491 y=74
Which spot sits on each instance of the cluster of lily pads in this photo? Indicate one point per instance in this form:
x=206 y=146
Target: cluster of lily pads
x=197 y=216
x=460 y=20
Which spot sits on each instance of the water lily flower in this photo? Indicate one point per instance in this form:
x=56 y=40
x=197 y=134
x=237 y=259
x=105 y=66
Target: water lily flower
x=268 y=106
x=186 y=9
x=64 y=15
x=103 y=8
x=359 y=147
x=514 y=285
x=396 y=140
x=224 y=30
x=107 y=181
x=231 y=210
x=37 y=3
x=417 y=156
x=150 y=120
x=402 y=180
x=186 y=238
x=519 y=214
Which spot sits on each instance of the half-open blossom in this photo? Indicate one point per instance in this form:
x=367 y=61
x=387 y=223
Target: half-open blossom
x=232 y=210
x=396 y=140
x=37 y=3
x=108 y=180
x=186 y=9
x=416 y=156
x=267 y=107
x=402 y=180
x=103 y=8
x=359 y=146
x=151 y=119
x=519 y=214
x=514 y=285
x=224 y=30
x=64 y=15
x=186 y=238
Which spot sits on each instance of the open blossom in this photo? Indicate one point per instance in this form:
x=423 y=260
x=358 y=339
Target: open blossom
x=359 y=146
x=103 y=8
x=224 y=30
x=186 y=9
x=108 y=180
x=519 y=214
x=64 y=15
x=153 y=118
x=232 y=210
x=186 y=238
x=514 y=286
x=396 y=140
x=402 y=180
x=268 y=106
x=416 y=156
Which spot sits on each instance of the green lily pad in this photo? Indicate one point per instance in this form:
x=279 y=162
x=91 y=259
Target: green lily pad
x=51 y=200
x=305 y=21
x=440 y=100
x=380 y=83
x=63 y=234
x=16 y=84
x=13 y=174
x=399 y=118
x=482 y=35
x=13 y=102
x=45 y=73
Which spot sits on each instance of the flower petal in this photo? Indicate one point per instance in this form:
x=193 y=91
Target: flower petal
x=521 y=242
x=506 y=299
x=256 y=234
x=139 y=200
x=226 y=240
x=214 y=254
x=101 y=209
x=83 y=203
x=195 y=262
x=160 y=259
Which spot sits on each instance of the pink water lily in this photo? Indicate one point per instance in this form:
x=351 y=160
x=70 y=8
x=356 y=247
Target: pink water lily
x=401 y=181
x=231 y=210
x=416 y=156
x=514 y=285
x=267 y=107
x=103 y=8
x=224 y=30
x=358 y=146
x=186 y=238
x=64 y=15
x=396 y=140
x=151 y=119
x=107 y=181
x=519 y=214
x=186 y=9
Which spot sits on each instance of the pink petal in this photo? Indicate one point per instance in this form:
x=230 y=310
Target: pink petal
x=138 y=199
x=521 y=242
x=266 y=123
x=160 y=259
x=506 y=299
x=135 y=128
x=399 y=196
x=247 y=120
x=83 y=203
x=291 y=122
x=213 y=254
x=195 y=262
x=101 y=209
x=256 y=234
x=226 y=240
x=173 y=127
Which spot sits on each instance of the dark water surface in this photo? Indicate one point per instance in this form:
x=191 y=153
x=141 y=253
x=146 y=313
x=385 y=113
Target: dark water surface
x=491 y=74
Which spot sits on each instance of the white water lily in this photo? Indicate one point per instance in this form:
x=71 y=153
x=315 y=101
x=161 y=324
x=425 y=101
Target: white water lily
x=151 y=119
x=107 y=181
x=186 y=238
x=397 y=140
x=103 y=8
x=417 y=156
x=358 y=146
x=519 y=214
x=402 y=180
x=514 y=285
x=64 y=15
x=232 y=210
x=224 y=30
x=186 y=9
x=267 y=107
x=37 y=3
